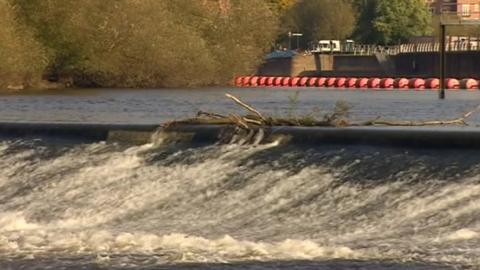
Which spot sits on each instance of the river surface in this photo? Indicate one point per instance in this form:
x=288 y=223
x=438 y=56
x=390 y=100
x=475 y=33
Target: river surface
x=155 y=106
x=76 y=205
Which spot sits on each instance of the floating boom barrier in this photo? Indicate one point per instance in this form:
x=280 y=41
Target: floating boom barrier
x=357 y=83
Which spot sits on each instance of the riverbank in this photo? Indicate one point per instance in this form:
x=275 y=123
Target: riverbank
x=42 y=85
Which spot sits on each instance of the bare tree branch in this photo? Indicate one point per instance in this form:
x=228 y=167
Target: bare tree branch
x=337 y=119
x=211 y=115
x=246 y=106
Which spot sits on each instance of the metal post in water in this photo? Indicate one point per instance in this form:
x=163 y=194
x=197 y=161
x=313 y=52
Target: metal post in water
x=443 y=60
x=289 y=41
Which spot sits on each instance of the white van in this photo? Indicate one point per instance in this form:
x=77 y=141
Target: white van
x=328 y=46
x=333 y=46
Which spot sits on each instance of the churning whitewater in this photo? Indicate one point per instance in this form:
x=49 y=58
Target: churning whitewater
x=164 y=204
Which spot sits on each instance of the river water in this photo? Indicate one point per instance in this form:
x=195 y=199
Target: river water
x=75 y=205
x=155 y=106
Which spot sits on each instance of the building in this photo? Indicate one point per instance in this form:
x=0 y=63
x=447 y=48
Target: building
x=465 y=9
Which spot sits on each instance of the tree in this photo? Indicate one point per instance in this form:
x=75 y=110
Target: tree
x=22 y=58
x=321 y=19
x=151 y=43
x=281 y=6
x=364 y=30
x=139 y=44
x=392 y=21
x=241 y=38
x=48 y=20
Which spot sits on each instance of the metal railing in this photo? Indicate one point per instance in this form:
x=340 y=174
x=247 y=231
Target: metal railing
x=456 y=46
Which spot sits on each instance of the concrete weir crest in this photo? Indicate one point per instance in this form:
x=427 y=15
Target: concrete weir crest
x=438 y=137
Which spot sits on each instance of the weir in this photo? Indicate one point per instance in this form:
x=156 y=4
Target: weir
x=87 y=132
x=81 y=204
x=438 y=137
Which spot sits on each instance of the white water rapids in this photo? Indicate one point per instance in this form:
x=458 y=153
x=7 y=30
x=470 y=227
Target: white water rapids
x=234 y=204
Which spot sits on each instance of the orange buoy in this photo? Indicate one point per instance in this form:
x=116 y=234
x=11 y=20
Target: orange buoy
x=246 y=81
x=469 y=84
x=312 y=82
x=417 y=84
x=340 y=82
x=331 y=82
x=386 y=83
x=270 y=81
x=304 y=81
x=452 y=84
x=286 y=81
x=254 y=81
x=321 y=82
x=401 y=83
x=295 y=81
x=432 y=83
x=362 y=83
x=278 y=81
x=238 y=81
x=373 y=83
x=351 y=82
x=262 y=81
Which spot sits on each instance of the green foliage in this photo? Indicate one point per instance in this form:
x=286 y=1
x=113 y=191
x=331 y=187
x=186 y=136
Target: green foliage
x=399 y=20
x=46 y=20
x=364 y=31
x=321 y=19
x=139 y=44
x=392 y=21
x=281 y=6
x=237 y=37
x=165 y=43
x=150 y=43
x=22 y=58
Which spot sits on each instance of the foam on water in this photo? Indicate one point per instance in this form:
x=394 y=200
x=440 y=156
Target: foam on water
x=462 y=234
x=237 y=203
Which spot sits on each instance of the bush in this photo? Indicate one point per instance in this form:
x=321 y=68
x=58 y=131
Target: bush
x=22 y=58
x=152 y=43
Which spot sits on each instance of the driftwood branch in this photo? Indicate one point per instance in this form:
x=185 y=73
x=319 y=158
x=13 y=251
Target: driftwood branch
x=403 y=123
x=246 y=106
x=336 y=119
x=239 y=121
x=468 y=114
x=457 y=121
x=211 y=115
x=252 y=121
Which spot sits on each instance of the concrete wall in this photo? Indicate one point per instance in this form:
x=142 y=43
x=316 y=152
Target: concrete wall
x=300 y=65
x=311 y=65
x=459 y=64
x=322 y=65
x=276 y=67
x=356 y=63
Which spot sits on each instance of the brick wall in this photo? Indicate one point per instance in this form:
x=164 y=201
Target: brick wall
x=465 y=9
